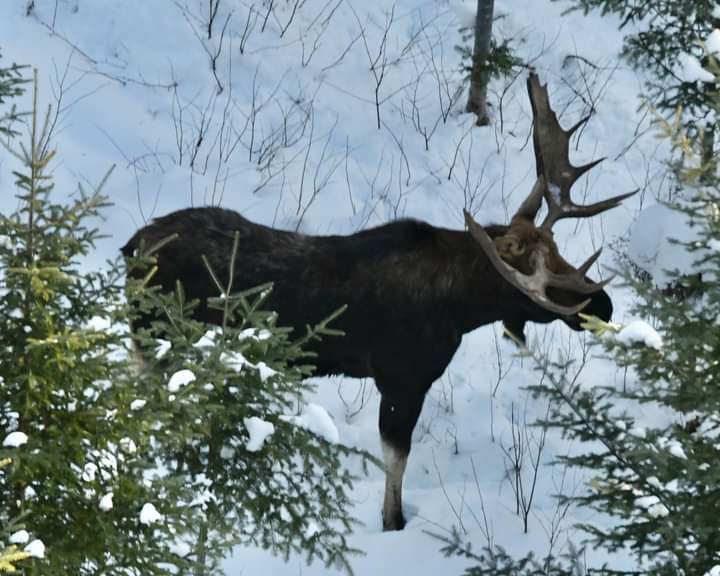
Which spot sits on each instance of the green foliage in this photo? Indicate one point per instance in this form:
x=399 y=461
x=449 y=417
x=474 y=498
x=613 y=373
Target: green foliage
x=11 y=555
x=495 y=561
x=501 y=60
x=11 y=86
x=649 y=439
x=652 y=478
x=291 y=495
x=64 y=385
x=122 y=473
x=660 y=31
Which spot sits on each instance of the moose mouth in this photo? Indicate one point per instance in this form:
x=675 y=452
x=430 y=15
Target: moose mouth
x=599 y=305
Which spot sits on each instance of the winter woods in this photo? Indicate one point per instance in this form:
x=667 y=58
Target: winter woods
x=216 y=451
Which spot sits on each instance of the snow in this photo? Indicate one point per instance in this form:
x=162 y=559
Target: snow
x=654 y=481
x=207 y=340
x=162 y=348
x=15 y=439
x=658 y=510
x=259 y=431
x=254 y=334
x=122 y=55
x=36 y=549
x=137 y=404
x=652 y=506
x=640 y=332
x=99 y=324
x=19 y=537
x=710 y=428
x=182 y=549
x=712 y=44
x=234 y=360
x=103 y=462
x=464 y=14
x=673 y=447
x=180 y=379
x=690 y=69
x=316 y=419
x=149 y=514
x=106 y=502
x=127 y=445
x=89 y=472
x=650 y=247
x=646 y=501
x=265 y=371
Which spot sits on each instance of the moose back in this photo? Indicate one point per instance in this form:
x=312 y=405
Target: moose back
x=411 y=289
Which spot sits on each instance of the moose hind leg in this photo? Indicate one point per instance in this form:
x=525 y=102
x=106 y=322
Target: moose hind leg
x=397 y=421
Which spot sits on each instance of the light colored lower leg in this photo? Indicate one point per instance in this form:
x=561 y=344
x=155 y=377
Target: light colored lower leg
x=395 y=463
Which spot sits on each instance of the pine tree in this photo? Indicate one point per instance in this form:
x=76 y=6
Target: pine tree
x=651 y=439
x=12 y=529
x=268 y=470
x=124 y=471
x=663 y=35
x=11 y=86
x=75 y=475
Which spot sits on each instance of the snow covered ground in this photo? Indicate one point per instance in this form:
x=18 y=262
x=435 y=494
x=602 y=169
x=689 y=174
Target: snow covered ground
x=329 y=116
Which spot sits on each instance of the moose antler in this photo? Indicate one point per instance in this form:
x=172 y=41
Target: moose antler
x=552 y=159
x=556 y=176
x=536 y=284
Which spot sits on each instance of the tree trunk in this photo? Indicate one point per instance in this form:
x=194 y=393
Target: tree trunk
x=479 y=76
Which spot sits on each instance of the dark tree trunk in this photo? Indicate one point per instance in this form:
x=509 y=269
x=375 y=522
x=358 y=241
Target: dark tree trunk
x=479 y=76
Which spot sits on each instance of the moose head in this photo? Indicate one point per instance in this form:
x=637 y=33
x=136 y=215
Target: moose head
x=526 y=254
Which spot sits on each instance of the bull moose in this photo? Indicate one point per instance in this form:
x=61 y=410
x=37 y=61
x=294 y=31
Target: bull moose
x=411 y=289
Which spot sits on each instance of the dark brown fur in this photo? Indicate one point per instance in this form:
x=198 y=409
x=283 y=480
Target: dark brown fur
x=412 y=291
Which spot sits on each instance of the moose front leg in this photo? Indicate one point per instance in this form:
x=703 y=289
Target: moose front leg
x=395 y=462
x=398 y=416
